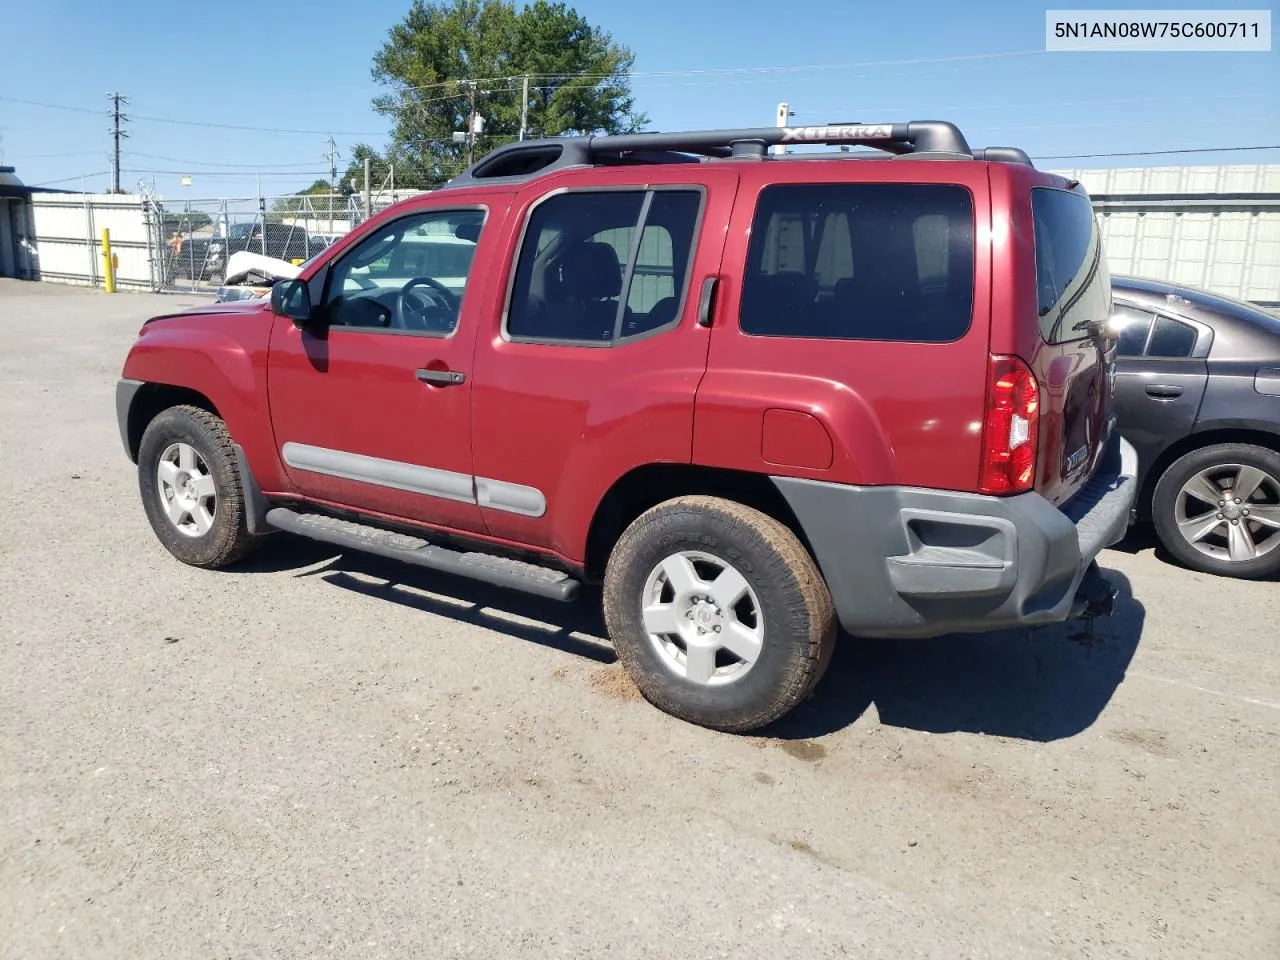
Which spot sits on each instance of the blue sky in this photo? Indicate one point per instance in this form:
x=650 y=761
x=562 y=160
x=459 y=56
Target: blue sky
x=305 y=67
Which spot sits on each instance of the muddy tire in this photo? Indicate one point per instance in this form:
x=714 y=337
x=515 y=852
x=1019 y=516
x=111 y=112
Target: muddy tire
x=718 y=613
x=191 y=488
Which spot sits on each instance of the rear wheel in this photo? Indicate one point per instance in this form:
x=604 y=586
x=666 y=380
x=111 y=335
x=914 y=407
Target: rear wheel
x=191 y=488
x=1217 y=510
x=718 y=613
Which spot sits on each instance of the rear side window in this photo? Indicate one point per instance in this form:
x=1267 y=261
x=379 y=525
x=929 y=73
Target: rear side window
x=860 y=262
x=1071 y=274
x=603 y=266
x=1172 y=339
x=1133 y=325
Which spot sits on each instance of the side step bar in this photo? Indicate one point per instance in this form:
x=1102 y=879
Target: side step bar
x=499 y=571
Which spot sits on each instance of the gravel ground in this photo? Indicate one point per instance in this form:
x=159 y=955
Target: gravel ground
x=323 y=754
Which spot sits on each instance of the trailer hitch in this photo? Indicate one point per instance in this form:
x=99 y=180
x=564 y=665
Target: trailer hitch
x=1095 y=597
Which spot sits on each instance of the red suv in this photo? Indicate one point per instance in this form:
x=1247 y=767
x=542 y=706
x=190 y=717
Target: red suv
x=751 y=394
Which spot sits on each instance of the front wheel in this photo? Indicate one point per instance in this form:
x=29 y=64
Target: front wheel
x=718 y=613
x=1217 y=510
x=191 y=488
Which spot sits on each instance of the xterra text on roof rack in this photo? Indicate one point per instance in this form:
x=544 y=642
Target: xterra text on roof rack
x=751 y=395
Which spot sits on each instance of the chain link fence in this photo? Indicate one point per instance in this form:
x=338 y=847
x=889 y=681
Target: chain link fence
x=192 y=240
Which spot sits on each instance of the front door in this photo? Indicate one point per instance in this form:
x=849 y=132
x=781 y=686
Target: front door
x=374 y=411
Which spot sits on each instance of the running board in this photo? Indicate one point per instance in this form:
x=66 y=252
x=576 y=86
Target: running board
x=499 y=571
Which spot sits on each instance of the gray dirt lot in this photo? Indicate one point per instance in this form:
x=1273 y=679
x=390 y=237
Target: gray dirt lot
x=340 y=757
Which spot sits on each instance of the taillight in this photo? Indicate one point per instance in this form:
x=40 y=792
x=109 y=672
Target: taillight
x=1011 y=429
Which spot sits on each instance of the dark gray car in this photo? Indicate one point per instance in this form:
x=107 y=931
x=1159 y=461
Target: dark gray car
x=1198 y=395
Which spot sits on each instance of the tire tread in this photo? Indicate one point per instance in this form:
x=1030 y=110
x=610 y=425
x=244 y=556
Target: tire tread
x=810 y=613
x=235 y=541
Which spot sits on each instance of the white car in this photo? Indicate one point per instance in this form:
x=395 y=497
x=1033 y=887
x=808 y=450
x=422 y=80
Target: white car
x=251 y=275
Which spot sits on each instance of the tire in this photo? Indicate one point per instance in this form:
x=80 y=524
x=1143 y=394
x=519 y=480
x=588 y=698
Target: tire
x=212 y=533
x=721 y=550
x=1249 y=547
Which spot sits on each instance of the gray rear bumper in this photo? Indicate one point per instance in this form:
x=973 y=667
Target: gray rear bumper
x=914 y=562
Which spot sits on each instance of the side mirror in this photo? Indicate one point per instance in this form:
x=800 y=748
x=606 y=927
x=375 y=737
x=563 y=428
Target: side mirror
x=292 y=299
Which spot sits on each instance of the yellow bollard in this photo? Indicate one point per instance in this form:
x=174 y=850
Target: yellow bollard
x=108 y=261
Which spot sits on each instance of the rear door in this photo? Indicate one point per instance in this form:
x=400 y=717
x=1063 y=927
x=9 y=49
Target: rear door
x=1161 y=373
x=845 y=346
x=594 y=355
x=1072 y=360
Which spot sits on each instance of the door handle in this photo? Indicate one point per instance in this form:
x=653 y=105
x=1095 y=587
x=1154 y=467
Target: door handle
x=441 y=378
x=1163 y=391
x=707 y=301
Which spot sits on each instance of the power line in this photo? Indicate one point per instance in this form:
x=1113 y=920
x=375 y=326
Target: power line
x=235 y=126
x=729 y=71
x=615 y=75
x=58 y=156
x=78 y=176
x=215 y=163
x=195 y=123
x=1155 y=153
x=847 y=111
x=51 y=106
x=318 y=174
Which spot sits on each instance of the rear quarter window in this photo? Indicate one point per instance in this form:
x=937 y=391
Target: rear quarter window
x=860 y=262
x=1073 y=286
x=1172 y=339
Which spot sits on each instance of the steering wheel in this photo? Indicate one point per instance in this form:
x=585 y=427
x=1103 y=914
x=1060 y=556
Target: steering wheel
x=417 y=307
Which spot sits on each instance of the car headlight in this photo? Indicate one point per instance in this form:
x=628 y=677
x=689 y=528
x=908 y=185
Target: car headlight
x=233 y=293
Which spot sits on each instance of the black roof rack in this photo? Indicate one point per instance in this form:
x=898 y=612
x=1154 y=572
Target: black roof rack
x=1003 y=155
x=531 y=158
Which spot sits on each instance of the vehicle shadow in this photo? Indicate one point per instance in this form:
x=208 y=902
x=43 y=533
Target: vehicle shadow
x=1143 y=537
x=576 y=628
x=1040 y=686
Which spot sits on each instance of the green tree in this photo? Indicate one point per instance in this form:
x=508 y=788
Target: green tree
x=578 y=80
x=179 y=221
x=354 y=174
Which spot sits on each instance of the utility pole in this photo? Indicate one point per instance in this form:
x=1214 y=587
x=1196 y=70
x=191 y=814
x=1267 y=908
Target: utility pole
x=331 y=154
x=368 y=188
x=784 y=113
x=470 y=86
x=117 y=118
x=524 y=108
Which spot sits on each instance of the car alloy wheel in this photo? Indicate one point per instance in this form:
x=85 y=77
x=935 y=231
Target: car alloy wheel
x=186 y=489
x=703 y=618
x=1230 y=512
